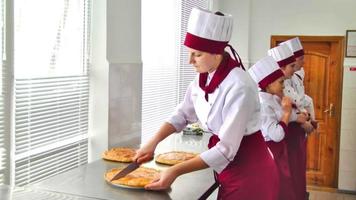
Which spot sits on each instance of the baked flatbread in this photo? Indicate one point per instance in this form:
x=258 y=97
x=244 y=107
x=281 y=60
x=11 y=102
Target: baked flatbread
x=174 y=157
x=120 y=154
x=138 y=178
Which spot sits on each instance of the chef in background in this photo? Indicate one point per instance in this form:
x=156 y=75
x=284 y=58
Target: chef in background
x=224 y=98
x=296 y=131
x=276 y=112
x=306 y=105
x=297 y=80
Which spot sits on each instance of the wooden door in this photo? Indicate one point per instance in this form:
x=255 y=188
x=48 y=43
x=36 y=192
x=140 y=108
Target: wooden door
x=323 y=65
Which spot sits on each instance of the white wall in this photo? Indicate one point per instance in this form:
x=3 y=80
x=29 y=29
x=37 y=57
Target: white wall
x=347 y=161
x=125 y=71
x=115 y=75
x=98 y=116
x=124 y=31
x=305 y=17
x=318 y=17
x=240 y=9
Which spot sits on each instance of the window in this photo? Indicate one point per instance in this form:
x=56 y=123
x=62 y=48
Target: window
x=186 y=71
x=166 y=72
x=50 y=38
x=4 y=102
x=51 y=87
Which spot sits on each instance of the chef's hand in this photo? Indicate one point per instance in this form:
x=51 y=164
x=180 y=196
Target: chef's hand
x=314 y=123
x=286 y=104
x=145 y=153
x=308 y=127
x=302 y=118
x=164 y=181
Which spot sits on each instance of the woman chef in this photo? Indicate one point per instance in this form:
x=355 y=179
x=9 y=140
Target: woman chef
x=296 y=128
x=225 y=100
x=307 y=105
x=276 y=111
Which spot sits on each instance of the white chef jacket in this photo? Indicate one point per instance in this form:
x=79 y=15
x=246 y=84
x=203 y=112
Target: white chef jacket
x=271 y=115
x=298 y=85
x=291 y=92
x=309 y=106
x=232 y=111
x=301 y=73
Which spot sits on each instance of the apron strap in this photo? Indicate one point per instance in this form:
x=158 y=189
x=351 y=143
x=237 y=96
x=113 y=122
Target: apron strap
x=211 y=189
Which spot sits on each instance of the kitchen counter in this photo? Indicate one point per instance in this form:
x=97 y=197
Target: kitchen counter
x=21 y=193
x=88 y=181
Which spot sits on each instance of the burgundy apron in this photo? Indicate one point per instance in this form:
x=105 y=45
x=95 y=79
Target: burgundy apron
x=252 y=175
x=296 y=147
x=280 y=154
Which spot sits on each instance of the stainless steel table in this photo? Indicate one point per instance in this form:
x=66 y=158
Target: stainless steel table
x=20 y=193
x=88 y=182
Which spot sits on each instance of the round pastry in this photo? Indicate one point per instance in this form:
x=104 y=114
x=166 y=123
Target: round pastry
x=119 y=154
x=174 y=157
x=136 y=179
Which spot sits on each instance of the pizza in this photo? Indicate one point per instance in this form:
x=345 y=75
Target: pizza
x=120 y=154
x=174 y=157
x=137 y=179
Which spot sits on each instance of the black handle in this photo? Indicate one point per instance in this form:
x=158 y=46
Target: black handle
x=209 y=191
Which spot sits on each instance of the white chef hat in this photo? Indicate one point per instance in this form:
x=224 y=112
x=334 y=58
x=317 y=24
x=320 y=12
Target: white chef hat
x=265 y=72
x=282 y=54
x=295 y=45
x=207 y=31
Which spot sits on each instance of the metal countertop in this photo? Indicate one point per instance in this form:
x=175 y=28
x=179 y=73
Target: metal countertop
x=88 y=181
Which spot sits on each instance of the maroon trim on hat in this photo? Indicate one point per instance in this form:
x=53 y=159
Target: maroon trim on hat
x=298 y=53
x=270 y=78
x=203 y=44
x=289 y=60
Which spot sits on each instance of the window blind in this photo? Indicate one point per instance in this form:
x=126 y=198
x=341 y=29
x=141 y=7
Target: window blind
x=186 y=70
x=166 y=71
x=43 y=165
x=49 y=110
x=4 y=128
x=4 y=102
x=158 y=99
x=159 y=90
x=51 y=87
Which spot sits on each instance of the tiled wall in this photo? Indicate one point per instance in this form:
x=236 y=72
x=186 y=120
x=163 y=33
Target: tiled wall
x=347 y=163
x=125 y=85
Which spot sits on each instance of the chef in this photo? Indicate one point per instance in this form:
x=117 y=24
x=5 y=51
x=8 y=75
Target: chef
x=296 y=131
x=306 y=104
x=224 y=98
x=297 y=80
x=276 y=111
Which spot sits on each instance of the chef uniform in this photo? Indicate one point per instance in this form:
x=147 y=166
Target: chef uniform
x=265 y=72
x=307 y=102
x=226 y=103
x=284 y=56
x=298 y=77
x=295 y=138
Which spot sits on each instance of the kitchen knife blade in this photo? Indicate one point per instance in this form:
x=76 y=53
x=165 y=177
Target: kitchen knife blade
x=130 y=168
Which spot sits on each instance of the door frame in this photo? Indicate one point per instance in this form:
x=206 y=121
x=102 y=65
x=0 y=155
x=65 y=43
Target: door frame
x=340 y=41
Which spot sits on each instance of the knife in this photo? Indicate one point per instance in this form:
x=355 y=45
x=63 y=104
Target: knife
x=130 y=168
